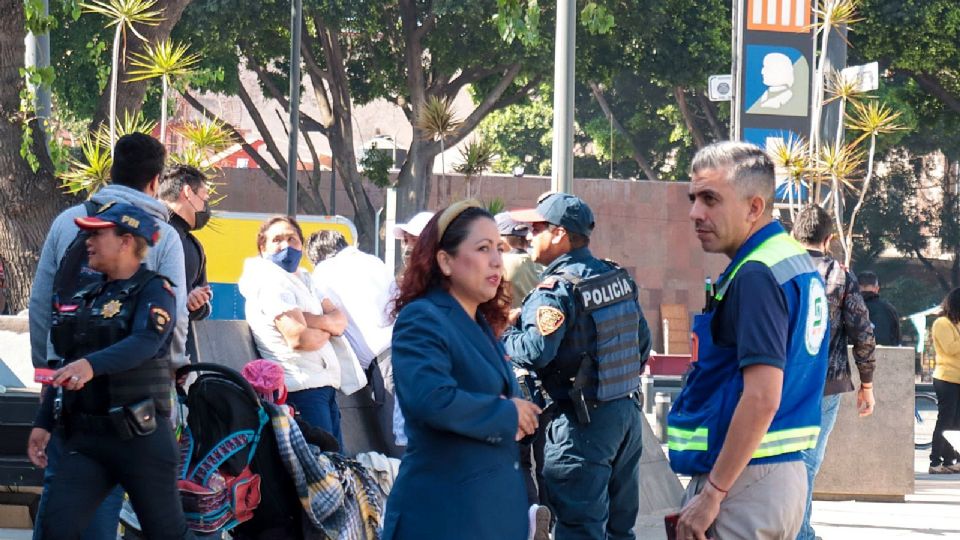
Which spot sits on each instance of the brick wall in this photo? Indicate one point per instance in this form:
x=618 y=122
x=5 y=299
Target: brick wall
x=641 y=225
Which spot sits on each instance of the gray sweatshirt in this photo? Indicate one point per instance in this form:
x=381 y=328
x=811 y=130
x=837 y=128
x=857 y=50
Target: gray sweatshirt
x=165 y=257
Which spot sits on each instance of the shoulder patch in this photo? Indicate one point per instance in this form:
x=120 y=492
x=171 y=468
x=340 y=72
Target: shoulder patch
x=549 y=284
x=549 y=319
x=159 y=318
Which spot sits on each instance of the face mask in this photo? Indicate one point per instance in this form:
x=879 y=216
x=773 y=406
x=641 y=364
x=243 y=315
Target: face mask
x=200 y=217
x=288 y=258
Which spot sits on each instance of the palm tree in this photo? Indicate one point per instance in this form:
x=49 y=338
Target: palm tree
x=834 y=15
x=206 y=139
x=123 y=14
x=164 y=60
x=436 y=122
x=871 y=119
x=477 y=157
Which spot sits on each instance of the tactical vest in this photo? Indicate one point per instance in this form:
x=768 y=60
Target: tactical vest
x=701 y=415
x=91 y=322
x=608 y=301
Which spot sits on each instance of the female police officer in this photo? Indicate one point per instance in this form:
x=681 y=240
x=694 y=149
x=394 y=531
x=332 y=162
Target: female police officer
x=114 y=386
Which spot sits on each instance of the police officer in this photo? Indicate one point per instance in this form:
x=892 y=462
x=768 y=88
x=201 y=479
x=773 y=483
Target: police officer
x=112 y=396
x=581 y=329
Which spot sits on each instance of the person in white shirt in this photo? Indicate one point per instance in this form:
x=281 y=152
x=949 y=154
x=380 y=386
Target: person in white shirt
x=360 y=285
x=291 y=325
x=408 y=233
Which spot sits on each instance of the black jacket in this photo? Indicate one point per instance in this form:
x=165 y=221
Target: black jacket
x=885 y=319
x=195 y=262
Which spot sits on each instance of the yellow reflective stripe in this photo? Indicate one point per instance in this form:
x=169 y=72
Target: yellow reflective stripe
x=773 y=443
x=680 y=440
x=785 y=441
x=778 y=247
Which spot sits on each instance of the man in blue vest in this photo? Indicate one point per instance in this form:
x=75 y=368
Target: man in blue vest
x=581 y=329
x=751 y=403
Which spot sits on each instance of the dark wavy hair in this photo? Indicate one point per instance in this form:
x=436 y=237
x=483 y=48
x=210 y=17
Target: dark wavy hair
x=270 y=222
x=423 y=272
x=950 y=308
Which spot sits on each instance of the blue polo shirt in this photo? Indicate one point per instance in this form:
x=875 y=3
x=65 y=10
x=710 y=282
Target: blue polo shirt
x=754 y=316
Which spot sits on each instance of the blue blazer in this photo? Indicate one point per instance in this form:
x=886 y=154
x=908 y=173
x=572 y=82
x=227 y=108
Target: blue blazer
x=460 y=476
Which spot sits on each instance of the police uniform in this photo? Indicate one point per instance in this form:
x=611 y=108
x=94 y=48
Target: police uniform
x=770 y=309
x=582 y=331
x=115 y=428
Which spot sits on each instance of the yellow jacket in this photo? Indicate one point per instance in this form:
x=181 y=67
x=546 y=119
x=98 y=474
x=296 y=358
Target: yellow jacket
x=946 y=341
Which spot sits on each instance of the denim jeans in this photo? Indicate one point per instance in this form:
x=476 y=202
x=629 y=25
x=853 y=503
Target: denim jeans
x=105 y=521
x=318 y=407
x=829 y=406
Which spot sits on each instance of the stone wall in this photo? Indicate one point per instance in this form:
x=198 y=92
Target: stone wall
x=641 y=225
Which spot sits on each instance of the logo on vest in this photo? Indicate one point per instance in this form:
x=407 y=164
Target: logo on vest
x=605 y=293
x=817 y=321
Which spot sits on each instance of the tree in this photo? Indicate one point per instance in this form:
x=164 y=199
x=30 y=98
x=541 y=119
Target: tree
x=28 y=196
x=29 y=189
x=163 y=60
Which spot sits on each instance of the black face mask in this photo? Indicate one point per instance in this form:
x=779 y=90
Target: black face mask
x=200 y=217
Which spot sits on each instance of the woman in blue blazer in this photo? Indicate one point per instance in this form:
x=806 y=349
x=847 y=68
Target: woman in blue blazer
x=460 y=476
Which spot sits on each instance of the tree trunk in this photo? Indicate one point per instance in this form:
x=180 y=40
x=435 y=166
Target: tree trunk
x=413 y=182
x=130 y=94
x=679 y=93
x=635 y=149
x=30 y=200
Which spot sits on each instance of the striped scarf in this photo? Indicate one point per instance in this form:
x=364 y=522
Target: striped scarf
x=338 y=495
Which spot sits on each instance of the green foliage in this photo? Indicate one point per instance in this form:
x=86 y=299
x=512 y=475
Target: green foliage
x=496 y=205
x=163 y=59
x=518 y=19
x=596 y=18
x=521 y=135
x=375 y=165
x=91 y=172
x=478 y=155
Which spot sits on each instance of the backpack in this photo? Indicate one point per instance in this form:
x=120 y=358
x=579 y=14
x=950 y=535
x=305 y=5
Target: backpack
x=73 y=273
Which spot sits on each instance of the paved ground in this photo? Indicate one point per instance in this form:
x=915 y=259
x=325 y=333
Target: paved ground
x=932 y=512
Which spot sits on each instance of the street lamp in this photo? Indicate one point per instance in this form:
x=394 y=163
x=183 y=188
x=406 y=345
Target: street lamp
x=296 y=16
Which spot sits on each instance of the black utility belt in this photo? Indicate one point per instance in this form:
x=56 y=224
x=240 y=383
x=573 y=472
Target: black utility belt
x=126 y=422
x=596 y=404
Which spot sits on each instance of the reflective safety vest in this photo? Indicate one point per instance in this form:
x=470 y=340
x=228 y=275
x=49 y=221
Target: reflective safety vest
x=610 y=300
x=701 y=415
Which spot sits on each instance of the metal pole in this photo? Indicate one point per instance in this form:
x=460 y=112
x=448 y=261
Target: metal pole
x=565 y=47
x=333 y=189
x=37 y=54
x=296 y=13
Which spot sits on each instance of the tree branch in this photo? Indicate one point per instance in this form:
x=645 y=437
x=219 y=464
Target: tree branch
x=930 y=83
x=707 y=106
x=261 y=127
x=679 y=93
x=634 y=146
x=274 y=175
x=944 y=284
x=490 y=102
x=470 y=76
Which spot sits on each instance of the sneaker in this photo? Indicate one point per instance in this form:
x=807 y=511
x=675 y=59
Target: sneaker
x=955 y=468
x=939 y=469
x=539 y=522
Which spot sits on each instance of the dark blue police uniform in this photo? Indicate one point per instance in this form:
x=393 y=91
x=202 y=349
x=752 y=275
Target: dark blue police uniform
x=584 y=334
x=116 y=429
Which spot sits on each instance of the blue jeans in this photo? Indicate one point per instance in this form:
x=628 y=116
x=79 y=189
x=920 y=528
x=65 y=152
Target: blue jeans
x=829 y=406
x=318 y=407
x=592 y=471
x=105 y=521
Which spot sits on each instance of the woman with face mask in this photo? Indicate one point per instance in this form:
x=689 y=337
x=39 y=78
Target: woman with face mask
x=291 y=325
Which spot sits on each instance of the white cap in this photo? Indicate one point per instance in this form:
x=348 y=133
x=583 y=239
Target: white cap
x=414 y=226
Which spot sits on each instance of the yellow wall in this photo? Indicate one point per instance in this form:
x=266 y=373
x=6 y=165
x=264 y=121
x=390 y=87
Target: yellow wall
x=231 y=237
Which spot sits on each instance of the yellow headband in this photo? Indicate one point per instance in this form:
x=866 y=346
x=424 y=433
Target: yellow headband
x=451 y=213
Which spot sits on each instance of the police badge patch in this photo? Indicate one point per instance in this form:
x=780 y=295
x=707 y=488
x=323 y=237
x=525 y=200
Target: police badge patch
x=160 y=319
x=111 y=308
x=548 y=320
